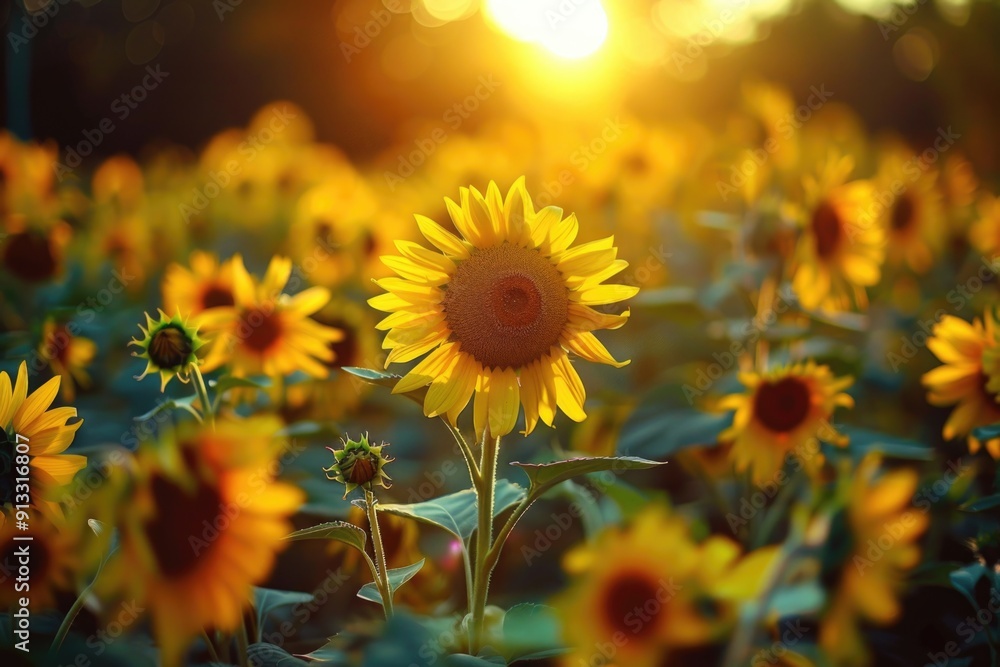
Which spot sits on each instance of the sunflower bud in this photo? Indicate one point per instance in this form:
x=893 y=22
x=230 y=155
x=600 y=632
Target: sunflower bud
x=359 y=464
x=168 y=345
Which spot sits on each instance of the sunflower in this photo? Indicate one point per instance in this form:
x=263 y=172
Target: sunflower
x=199 y=526
x=67 y=355
x=984 y=234
x=882 y=531
x=53 y=559
x=267 y=332
x=169 y=345
x=27 y=420
x=915 y=220
x=781 y=412
x=969 y=361
x=643 y=592
x=499 y=310
x=842 y=245
x=327 y=236
x=206 y=285
x=339 y=394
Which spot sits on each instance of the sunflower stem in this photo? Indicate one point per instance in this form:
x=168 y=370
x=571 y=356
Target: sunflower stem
x=484 y=537
x=470 y=458
x=382 y=574
x=207 y=408
x=71 y=615
x=243 y=644
x=212 y=653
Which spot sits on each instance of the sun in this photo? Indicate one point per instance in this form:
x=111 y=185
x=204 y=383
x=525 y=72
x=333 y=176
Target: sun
x=571 y=29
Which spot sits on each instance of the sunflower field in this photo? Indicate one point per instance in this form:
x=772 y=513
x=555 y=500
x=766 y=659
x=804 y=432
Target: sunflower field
x=471 y=333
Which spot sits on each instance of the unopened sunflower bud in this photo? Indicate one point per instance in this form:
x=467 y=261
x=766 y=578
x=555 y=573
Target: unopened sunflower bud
x=359 y=464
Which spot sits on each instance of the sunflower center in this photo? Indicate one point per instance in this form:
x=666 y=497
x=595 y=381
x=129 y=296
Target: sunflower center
x=216 y=296
x=28 y=256
x=782 y=406
x=345 y=350
x=170 y=347
x=904 y=213
x=261 y=328
x=507 y=306
x=181 y=515
x=828 y=230
x=630 y=604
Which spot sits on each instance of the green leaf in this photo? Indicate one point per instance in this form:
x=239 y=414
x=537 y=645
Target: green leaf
x=341 y=531
x=986 y=432
x=397 y=577
x=228 y=382
x=465 y=660
x=865 y=440
x=658 y=432
x=797 y=600
x=965 y=579
x=385 y=380
x=186 y=403
x=544 y=476
x=456 y=512
x=982 y=504
x=531 y=632
x=329 y=653
x=269 y=655
x=267 y=600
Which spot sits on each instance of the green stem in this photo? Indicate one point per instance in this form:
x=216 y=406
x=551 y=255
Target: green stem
x=470 y=459
x=243 y=644
x=71 y=615
x=484 y=536
x=207 y=408
x=382 y=578
x=211 y=647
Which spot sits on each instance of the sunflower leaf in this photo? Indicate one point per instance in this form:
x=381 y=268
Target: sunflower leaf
x=456 y=512
x=340 y=531
x=397 y=577
x=267 y=600
x=531 y=632
x=982 y=504
x=229 y=382
x=185 y=403
x=385 y=380
x=544 y=476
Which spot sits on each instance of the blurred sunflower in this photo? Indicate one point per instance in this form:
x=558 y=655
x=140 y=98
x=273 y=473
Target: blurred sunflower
x=267 y=332
x=984 y=234
x=340 y=393
x=27 y=418
x=882 y=530
x=648 y=590
x=499 y=309
x=199 y=525
x=67 y=355
x=781 y=411
x=326 y=235
x=55 y=559
x=842 y=245
x=915 y=221
x=206 y=285
x=968 y=362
